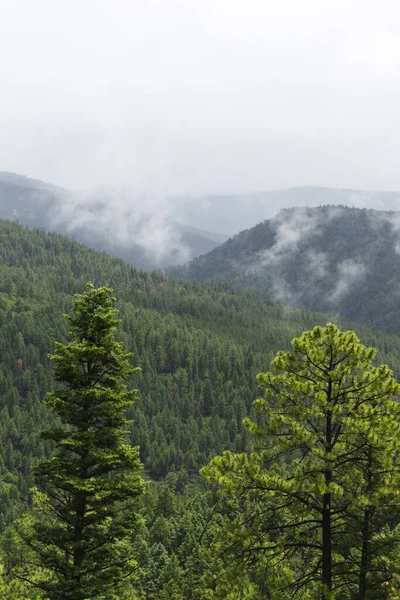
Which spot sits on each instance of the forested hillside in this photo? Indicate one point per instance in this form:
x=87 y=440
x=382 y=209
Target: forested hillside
x=331 y=258
x=115 y=223
x=199 y=346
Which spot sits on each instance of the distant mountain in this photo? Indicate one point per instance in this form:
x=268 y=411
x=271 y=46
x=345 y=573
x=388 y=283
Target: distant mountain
x=338 y=259
x=28 y=200
x=119 y=227
x=160 y=234
x=235 y=212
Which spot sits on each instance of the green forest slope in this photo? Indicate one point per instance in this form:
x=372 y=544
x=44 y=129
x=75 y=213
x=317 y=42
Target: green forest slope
x=199 y=346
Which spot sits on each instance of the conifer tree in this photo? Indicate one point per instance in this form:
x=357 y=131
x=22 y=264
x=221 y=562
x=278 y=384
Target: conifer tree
x=321 y=484
x=83 y=501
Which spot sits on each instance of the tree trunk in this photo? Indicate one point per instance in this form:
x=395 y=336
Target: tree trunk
x=326 y=515
x=326 y=544
x=80 y=508
x=362 y=588
x=365 y=537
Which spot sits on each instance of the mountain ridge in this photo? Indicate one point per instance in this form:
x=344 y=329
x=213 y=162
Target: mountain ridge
x=328 y=258
x=237 y=212
x=147 y=241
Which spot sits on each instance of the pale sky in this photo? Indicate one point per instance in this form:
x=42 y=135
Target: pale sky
x=201 y=96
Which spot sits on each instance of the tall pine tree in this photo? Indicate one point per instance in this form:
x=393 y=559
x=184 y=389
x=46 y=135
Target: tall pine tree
x=310 y=507
x=85 y=491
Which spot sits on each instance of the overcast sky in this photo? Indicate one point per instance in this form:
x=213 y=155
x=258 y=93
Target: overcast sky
x=201 y=96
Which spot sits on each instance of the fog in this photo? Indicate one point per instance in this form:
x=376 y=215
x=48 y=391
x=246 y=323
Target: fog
x=324 y=278
x=176 y=97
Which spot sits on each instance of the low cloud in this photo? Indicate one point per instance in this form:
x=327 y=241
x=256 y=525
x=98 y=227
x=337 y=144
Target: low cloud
x=291 y=227
x=349 y=273
x=317 y=265
x=298 y=232
x=119 y=221
x=393 y=219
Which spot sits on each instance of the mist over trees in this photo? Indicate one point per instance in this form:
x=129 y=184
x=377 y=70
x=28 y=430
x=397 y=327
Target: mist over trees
x=142 y=230
x=338 y=260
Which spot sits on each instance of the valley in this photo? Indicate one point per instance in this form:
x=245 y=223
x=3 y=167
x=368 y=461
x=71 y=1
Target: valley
x=199 y=346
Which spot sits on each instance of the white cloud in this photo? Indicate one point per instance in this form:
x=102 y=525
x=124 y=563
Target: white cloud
x=143 y=221
x=349 y=273
x=317 y=264
x=291 y=228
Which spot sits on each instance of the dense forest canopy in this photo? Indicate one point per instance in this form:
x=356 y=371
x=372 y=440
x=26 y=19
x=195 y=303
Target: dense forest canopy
x=199 y=346
x=314 y=511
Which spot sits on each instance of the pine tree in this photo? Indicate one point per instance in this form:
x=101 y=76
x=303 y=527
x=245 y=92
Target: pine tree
x=325 y=460
x=85 y=491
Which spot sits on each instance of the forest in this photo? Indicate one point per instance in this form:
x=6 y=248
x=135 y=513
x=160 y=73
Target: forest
x=223 y=512
x=326 y=258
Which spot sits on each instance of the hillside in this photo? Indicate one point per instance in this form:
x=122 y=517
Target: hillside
x=119 y=226
x=338 y=259
x=200 y=347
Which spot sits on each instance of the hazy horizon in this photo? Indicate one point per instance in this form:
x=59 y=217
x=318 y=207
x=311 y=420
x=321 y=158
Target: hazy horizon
x=170 y=97
x=250 y=192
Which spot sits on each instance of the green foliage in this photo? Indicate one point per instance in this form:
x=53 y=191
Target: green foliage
x=319 y=493
x=83 y=510
x=200 y=347
x=12 y=588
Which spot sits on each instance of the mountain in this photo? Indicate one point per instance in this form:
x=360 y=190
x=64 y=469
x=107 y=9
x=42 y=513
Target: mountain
x=116 y=225
x=339 y=259
x=231 y=213
x=158 y=233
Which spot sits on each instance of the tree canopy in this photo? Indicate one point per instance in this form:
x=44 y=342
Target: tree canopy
x=83 y=503
x=321 y=485
x=200 y=347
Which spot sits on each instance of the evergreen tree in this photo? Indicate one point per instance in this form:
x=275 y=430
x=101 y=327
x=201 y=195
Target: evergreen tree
x=322 y=482
x=83 y=501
